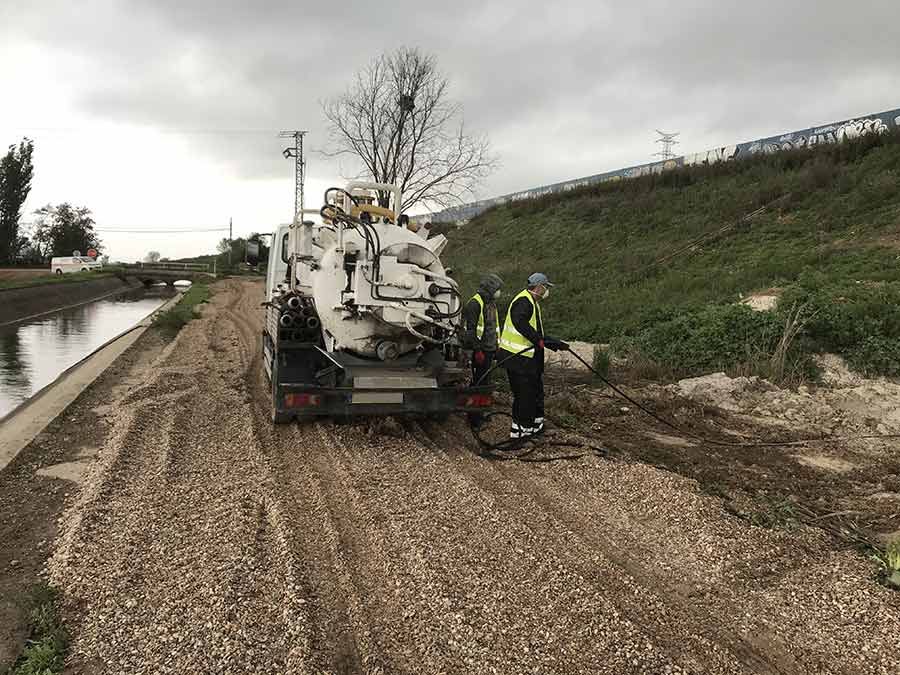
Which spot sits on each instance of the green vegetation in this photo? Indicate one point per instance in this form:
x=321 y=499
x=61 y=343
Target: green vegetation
x=655 y=265
x=601 y=361
x=173 y=320
x=45 y=651
x=43 y=279
x=888 y=561
x=16 y=172
x=235 y=251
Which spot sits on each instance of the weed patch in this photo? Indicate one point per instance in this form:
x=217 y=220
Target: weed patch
x=45 y=651
x=173 y=320
x=888 y=561
x=601 y=361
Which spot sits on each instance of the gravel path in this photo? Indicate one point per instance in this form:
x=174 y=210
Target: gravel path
x=207 y=540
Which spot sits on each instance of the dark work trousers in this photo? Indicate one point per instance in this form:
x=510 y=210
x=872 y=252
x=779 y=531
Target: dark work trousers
x=527 y=386
x=479 y=372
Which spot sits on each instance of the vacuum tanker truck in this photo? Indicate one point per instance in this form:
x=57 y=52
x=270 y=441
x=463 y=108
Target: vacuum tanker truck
x=361 y=317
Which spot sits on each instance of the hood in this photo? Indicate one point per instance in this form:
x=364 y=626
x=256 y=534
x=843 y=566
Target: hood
x=490 y=285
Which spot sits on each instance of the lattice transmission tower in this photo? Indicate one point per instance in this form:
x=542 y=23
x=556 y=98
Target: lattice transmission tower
x=668 y=142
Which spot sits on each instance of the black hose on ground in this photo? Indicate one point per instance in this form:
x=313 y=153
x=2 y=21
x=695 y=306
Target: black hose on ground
x=517 y=443
x=513 y=444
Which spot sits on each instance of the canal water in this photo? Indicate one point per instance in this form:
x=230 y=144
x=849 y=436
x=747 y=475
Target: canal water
x=34 y=353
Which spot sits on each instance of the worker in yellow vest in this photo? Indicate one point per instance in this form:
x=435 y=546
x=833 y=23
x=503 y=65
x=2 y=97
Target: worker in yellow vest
x=522 y=344
x=481 y=332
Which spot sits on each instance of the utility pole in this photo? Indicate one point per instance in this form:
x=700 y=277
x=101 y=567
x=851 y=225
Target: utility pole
x=668 y=142
x=229 y=243
x=299 y=166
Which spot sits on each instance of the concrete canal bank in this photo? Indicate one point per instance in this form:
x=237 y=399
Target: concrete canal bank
x=17 y=304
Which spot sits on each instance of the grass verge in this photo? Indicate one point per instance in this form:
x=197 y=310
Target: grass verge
x=45 y=650
x=173 y=320
x=45 y=279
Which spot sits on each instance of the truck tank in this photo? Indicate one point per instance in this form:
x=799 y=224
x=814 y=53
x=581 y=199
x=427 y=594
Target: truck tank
x=362 y=318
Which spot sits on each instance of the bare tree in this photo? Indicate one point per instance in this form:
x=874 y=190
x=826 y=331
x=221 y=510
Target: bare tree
x=152 y=257
x=397 y=119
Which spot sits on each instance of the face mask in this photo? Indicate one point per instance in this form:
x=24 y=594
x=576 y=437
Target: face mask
x=497 y=294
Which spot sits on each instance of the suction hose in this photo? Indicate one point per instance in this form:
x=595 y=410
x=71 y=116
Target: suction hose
x=515 y=443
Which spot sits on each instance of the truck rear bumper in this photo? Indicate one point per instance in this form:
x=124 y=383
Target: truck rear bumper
x=305 y=401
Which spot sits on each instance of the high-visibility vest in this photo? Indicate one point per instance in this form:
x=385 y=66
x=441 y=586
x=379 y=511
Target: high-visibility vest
x=479 y=329
x=512 y=340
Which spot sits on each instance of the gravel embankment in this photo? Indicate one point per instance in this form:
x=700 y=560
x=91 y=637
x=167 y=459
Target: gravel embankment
x=205 y=540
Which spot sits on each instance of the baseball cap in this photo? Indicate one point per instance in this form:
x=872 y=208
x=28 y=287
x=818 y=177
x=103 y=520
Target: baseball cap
x=538 y=278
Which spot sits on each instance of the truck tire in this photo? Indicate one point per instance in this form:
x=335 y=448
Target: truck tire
x=281 y=417
x=59 y=271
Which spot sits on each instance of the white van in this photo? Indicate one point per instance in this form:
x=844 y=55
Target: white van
x=74 y=264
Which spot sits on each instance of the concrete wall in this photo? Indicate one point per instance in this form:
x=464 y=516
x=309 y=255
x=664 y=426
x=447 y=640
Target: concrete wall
x=878 y=123
x=19 y=303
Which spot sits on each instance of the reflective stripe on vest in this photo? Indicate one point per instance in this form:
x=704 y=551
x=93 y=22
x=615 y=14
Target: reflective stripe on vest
x=479 y=329
x=511 y=339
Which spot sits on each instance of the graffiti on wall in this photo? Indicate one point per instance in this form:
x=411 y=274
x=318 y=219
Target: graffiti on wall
x=880 y=123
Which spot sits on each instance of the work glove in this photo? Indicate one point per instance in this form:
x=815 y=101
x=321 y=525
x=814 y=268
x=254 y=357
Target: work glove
x=556 y=344
x=479 y=358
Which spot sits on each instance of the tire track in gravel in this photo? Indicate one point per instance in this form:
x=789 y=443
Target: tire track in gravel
x=311 y=535
x=486 y=593
x=186 y=572
x=711 y=565
x=350 y=521
x=644 y=596
x=725 y=586
x=357 y=549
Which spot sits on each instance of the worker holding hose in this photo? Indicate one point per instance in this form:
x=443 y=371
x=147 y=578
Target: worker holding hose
x=522 y=344
x=480 y=336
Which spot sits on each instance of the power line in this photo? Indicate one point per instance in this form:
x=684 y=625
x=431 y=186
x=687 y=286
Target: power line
x=182 y=231
x=186 y=131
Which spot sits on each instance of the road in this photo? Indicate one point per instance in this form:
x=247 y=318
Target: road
x=207 y=540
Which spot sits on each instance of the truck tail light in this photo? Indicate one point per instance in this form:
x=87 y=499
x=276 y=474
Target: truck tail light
x=476 y=401
x=302 y=400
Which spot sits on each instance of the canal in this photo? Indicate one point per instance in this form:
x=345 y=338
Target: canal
x=34 y=353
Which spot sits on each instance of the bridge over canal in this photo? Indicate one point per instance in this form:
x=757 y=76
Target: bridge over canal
x=167 y=272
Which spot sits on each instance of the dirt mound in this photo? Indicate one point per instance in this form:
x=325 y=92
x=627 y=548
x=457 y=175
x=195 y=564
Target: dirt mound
x=848 y=402
x=566 y=360
x=721 y=391
x=761 y=302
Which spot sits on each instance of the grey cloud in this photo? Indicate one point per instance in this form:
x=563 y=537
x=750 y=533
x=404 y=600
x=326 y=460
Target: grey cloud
x=564 y=89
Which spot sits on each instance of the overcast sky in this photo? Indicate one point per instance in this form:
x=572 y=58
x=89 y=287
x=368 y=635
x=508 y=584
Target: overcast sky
x=164 y=113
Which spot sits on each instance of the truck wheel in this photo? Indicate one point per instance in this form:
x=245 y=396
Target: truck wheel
x=84 y=269
x=59 y=271
x=281 y=417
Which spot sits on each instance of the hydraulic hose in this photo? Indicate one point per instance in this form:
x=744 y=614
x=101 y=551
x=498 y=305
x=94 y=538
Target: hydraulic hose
x=515 y=443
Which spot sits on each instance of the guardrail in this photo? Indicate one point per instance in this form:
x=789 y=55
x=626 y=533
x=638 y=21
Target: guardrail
x=170 y=266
